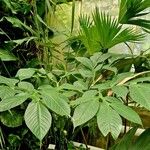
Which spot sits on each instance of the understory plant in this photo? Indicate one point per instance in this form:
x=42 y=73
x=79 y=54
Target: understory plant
x=53 y=102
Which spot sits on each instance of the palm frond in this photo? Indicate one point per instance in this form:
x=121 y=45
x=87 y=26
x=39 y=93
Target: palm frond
x=131 y=10
x=88 y=36
x=104 y=32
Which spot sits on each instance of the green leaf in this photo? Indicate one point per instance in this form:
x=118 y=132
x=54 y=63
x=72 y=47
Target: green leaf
x=6 y=91
x=25 y=73
x=99 y=58
x=87 y=96
x=21 y=41
x=55 y=101
x=126 y=141
x=112 y=69
x=120 y=91
x=143 y=141
x=68 y=86
x=124 y=111
x=11 y=119
x=26 y=86
x=126 y=16
x=86 y=73
x=102 y=86
x=108 y=120
x=8 y=81
x=140 y=94
x=85 y=111
x=18 y=23
x=86 y=62
x=11 y=102
x=5 y=55
x=38 y=119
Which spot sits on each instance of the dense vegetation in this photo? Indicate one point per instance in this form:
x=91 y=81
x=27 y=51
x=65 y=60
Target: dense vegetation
x=50 y=94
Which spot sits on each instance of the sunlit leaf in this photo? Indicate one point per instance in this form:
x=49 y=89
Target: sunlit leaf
x=38 y=119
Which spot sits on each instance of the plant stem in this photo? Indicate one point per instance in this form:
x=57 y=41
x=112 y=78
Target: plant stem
x=125 y=121
x=5 y=68
x=108 y=142
x=84 y=139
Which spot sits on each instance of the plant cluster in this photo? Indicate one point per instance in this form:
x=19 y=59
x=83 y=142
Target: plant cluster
x=49 y=101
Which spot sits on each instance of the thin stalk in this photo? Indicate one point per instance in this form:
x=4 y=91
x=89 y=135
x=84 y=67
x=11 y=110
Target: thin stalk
x=125 y=120
x=129 y=48
x=108 y=142
x=73 y=16
x=6 y=68
x=84 y=139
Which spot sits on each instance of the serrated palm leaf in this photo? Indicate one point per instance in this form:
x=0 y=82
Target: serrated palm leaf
x=105 y=32
x=130 y=10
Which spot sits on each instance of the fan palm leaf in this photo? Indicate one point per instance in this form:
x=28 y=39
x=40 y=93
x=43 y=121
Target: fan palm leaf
x=104 y=32
x=131 y=10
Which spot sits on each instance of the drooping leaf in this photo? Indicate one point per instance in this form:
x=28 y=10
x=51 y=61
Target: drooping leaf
x=38 y=119
x=108 y=120
x=18 y=23
x=11 y=119
x=5 y=55
x=85 y=111
x=11 y=102
x=140 y=94
x=124 y=111
x=55 y=101
x=8 y=81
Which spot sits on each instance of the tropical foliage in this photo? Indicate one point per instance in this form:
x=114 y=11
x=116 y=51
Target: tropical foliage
x=49 y=95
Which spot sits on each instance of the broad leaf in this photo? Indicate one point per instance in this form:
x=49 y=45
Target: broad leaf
x=26 y=86
x=86 y=73
x=124 y=111
x=8 y=81
x=77 y=86
x=86 y=62
x=6 y=91
x=99 y=58
x=126 y=141
x=140 y=94
x=120 y=91
x=87 y=96
x=38 y=119
x=85 y=111
x=55 y=101
x=25 y=73
x=142 y=142
x=13 y=101
x=108 y=120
